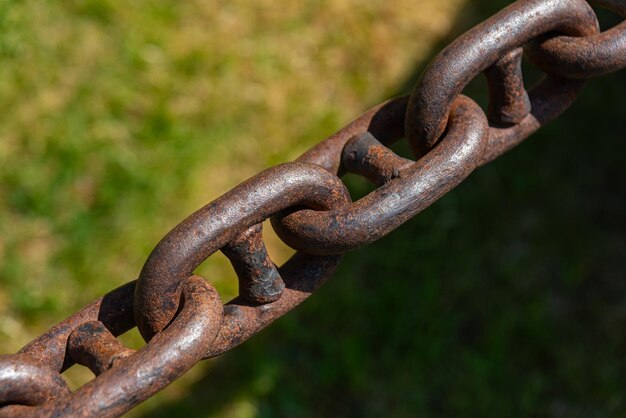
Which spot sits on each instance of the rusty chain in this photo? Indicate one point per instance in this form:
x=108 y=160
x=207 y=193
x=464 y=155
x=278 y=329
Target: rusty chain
x=181 y=316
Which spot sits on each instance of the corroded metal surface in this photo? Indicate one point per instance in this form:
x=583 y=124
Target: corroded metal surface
x=182 y=317
x=390 y=205
x=259 y=279
x=480 y=48
x=135 y=377
x=583 y=57
x=182 y=250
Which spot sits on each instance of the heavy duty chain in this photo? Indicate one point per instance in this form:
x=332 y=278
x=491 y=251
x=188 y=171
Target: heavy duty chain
x=181 y=316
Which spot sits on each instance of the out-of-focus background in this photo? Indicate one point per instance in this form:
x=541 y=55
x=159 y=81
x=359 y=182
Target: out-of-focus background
x=505 y=298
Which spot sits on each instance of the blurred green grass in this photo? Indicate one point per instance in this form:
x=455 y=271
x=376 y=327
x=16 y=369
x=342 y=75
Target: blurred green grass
x=121 y=119
x=503 y=299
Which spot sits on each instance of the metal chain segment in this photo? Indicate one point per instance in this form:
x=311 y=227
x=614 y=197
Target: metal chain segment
x=582 y=58
x=416 y=187
x=186 y=246
x=27 y=382
x=135 y=377
x=490 y=46
x=480 y=48
x=182 y=316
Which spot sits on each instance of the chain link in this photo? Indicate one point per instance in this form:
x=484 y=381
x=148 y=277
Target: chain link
x=181 y=316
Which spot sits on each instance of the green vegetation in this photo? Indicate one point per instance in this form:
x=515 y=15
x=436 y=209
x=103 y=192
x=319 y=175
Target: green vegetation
x=119 y=119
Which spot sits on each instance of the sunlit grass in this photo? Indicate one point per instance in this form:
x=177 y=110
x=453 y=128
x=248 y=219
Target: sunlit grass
x=121 y=118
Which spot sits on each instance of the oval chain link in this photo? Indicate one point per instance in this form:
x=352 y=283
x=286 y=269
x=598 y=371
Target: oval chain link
x=181 y=315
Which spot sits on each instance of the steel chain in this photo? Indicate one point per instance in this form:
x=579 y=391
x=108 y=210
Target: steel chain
x=181 y=315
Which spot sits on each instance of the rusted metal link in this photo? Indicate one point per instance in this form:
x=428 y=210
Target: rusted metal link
x=140 y=375
x=25 y=381
x=182 y=316
x=212 y=227
x=366 y=156
x=509 y=105
x=92 y=345
x=480 y=48
x=114 y=310
x=259 y=280
x=586 y=57
x=387 y=207
x=372 y=217
x=303 y=274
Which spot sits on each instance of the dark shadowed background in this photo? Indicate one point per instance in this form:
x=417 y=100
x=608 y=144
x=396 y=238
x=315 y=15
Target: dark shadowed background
x=505 y=298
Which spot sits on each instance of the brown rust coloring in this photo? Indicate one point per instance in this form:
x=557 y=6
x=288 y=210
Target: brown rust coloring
x=480 y=48
x=182 y=250
x=366 y=156
x=25 y=381
x=303 y=274
x=259 y=280
x=137 y=377
x=387 y=207
x=114 y=310
x=92 y=345
x=586 y=57
x=509 y=103
x=182 y=316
